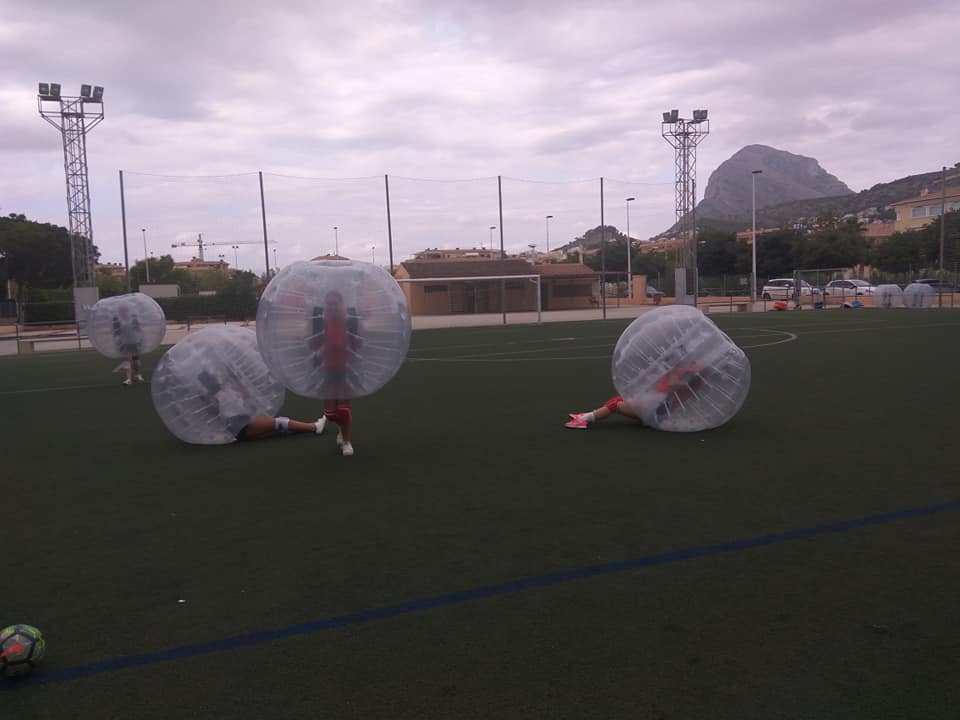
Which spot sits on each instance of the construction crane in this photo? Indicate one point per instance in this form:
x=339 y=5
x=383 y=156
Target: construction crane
x=201 y=244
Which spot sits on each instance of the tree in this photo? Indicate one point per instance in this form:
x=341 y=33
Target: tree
x=36 y=254
x=110 y=284
x=775 y=253
x=716 y=252
x=836 y=243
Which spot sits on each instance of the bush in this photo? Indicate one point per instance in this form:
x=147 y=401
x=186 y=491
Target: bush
x=184 y=306
x=48 y=312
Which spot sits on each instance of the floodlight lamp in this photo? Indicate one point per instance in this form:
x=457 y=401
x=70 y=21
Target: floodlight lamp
x=666 y=117
x=55 y=90
x=97 y=93
x=85 y=91
x=44 y=89
x=631 y=199
x=674 y=115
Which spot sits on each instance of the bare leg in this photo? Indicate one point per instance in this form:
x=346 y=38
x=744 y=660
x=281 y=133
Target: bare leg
x=262 y=426
x=296 y=426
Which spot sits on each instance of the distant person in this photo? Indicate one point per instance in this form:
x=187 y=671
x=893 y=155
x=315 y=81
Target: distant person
x=128 y=336
x=335 y=341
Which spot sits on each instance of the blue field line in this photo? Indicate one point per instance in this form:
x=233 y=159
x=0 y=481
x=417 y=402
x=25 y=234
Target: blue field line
x=464 y=596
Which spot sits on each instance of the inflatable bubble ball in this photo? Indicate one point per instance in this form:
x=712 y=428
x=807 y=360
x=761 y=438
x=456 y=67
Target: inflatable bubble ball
x=208 y=386
x=126 y=325
x=919 y=295
x=679 y=372
x=333 y=329
x=887 y=296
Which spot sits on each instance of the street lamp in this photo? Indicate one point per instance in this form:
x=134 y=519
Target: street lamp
x=629 y=252
x=236 y=257
x=276 y=265
x=753 y=251
x=492 y=228
x=373 y=254
x=548 y=232
x=336 y=240
x=146 y=256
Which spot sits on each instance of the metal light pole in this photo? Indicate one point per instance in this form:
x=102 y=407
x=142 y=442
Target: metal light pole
x=236 y=257
x=373 y=254
x=336 y=240
x=492 y=228
x=629 y=252
x=548 y=232
x=146 y=256
x=684 y=134
x=276 y=266
x=753 y=250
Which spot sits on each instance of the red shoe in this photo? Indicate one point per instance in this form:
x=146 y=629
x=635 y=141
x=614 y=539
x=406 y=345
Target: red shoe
x=577 y=423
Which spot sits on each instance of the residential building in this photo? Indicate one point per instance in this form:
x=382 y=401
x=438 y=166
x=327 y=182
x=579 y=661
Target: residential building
x=919 y=211
x=198 y=266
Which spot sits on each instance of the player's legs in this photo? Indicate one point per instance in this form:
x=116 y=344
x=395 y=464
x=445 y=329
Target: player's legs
x=339 y=411
x=615 y=405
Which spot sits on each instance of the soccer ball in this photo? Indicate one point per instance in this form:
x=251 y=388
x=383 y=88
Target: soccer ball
x=21 y=648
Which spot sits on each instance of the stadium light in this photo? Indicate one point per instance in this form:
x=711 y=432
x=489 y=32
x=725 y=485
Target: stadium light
x=55 y=91
x=629 y=251
x=753 y=251
x=548 y=218
x=97 y=93
x=43 y=89
x=85 y=91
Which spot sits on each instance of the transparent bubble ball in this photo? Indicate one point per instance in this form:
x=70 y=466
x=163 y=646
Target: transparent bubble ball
x=208 y=386
x=919 y=295
x=333 y=329
x=126 y=325
x=679 y=372
x=887 y=296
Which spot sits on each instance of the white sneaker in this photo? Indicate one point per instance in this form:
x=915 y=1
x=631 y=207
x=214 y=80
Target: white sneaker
x=320 y=424
x=140 y=378
x=346 y=449
x=127 y=382
x=339 y=438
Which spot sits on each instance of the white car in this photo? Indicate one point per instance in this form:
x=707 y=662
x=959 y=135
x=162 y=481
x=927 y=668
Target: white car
x=848 y=288
x=782 y=289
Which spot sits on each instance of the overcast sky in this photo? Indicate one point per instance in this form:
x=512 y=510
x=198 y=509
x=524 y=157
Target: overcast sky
x=556 y=92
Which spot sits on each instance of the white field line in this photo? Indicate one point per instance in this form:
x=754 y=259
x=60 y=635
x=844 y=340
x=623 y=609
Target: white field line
x=54 y=389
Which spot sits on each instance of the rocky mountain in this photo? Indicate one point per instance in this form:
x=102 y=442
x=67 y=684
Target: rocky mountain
x=786 y=178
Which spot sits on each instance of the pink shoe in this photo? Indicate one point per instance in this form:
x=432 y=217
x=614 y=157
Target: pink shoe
x=577 y=423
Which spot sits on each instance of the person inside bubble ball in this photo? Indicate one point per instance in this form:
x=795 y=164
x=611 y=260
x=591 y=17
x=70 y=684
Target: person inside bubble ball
x=335 y=340
x=128 y=336
x=230 y=398
x=674 y=387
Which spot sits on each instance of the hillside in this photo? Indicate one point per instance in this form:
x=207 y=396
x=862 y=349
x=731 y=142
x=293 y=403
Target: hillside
x=786 y=178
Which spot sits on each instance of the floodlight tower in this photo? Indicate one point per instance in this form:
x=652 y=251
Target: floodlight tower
x=74 y=117
x=684 y=135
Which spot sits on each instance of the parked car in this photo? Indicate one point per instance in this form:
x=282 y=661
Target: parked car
x=783 y=288
x=848 y=288
x=937 y=284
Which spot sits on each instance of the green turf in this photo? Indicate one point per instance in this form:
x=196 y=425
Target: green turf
x=463 y=477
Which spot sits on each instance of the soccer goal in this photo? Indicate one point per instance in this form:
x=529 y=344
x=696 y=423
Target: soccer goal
x=516 y=295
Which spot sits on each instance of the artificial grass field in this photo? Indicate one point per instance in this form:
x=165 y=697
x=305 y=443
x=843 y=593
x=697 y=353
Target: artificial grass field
x=773 y=575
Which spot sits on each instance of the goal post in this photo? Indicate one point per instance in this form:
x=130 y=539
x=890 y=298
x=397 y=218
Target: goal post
x=474 y=295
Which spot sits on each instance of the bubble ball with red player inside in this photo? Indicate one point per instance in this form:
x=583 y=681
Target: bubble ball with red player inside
x=679 y=372
x=334 y=329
